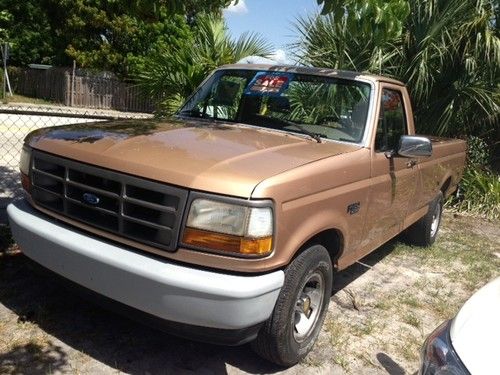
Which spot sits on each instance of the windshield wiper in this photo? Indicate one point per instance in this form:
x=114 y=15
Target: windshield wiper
x=315 y=136
x=302 y=129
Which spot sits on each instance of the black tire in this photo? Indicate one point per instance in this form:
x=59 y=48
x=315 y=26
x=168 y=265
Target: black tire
x=278 y=340
x=423 y=232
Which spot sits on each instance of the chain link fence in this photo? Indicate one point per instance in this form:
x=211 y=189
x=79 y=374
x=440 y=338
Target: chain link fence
x=17 y=120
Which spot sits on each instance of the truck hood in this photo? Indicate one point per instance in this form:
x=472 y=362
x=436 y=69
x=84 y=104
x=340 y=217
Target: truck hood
x=216 y=157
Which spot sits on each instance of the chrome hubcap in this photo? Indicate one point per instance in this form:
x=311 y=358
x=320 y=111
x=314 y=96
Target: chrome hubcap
x=436 y=218
x=308 y=306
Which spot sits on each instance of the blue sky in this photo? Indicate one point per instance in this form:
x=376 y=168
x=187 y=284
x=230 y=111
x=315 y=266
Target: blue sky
x=273 y=19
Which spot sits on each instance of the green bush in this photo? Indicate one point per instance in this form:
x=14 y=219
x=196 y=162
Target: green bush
x=481 y=193
x=478 y=153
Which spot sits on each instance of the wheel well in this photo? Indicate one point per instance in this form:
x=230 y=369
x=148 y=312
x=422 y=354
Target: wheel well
x=331 y=239
x=445 y=186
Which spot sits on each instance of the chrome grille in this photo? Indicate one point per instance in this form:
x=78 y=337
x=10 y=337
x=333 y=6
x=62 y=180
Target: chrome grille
x=145 y=211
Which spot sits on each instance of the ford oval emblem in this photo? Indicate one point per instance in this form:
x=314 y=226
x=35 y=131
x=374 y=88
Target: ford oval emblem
x=90 y=198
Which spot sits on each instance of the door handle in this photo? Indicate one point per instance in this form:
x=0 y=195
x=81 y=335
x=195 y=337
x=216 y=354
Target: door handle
x=411 y=163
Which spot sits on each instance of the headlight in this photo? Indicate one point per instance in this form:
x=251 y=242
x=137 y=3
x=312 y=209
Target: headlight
x=229 y=227
x=438 y=356
x=24 y=167
x=24 y=162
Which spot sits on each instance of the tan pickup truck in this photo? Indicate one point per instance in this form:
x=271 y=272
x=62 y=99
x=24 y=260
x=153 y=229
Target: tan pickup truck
x=227 y=222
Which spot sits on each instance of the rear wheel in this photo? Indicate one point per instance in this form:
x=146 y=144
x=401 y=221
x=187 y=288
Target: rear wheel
x=291 y=331
x=424 y=231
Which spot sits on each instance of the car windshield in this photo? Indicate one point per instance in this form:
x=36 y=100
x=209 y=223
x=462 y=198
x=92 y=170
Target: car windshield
x=325 y=107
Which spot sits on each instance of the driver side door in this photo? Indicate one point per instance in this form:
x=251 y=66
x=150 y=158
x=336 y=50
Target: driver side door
x=392 y=177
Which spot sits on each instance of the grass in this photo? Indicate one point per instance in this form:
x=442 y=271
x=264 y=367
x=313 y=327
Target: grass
x=367 y=361
x=412 y=319
x=25 y=99
x=386 y=311
x=410 y=300
x=465 y=256
x=410 y=292
x=410 y=346
x=383 y=304
x=364 y=327
x=339 y=337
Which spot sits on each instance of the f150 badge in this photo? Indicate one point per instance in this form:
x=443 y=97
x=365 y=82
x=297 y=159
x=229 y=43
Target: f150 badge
x=91 y=198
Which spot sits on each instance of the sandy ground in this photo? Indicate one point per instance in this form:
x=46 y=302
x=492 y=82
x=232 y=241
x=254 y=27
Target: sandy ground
x=381 y=311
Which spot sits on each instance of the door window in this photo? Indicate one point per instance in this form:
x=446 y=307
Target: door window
x=392 y=121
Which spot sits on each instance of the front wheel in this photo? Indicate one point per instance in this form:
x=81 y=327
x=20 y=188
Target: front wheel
x=291 y=331
x=424 y=231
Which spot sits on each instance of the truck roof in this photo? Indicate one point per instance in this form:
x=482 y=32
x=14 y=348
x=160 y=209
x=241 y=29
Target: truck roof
x=327 y=72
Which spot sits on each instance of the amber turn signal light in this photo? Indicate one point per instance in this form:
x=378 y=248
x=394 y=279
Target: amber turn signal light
x=226 y=242
x=25 y=181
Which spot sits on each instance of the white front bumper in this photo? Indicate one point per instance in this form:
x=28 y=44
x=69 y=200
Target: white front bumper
x=169 y=291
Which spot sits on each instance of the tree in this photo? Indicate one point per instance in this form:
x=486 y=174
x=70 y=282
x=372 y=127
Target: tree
x=326 y=41
x=25 y=27
x=448 y=52
x=382 y=17
x=191 y=8
x=172 y=75
x=112 y=35
x=99 y=34
x=450 y=57
x=4 y=18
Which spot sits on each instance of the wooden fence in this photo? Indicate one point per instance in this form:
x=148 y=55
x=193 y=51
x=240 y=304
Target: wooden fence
x=59 y=85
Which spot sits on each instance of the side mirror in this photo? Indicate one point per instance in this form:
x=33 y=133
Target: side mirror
x=411 y=146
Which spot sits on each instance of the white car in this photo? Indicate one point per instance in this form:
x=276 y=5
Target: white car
x=469 y=343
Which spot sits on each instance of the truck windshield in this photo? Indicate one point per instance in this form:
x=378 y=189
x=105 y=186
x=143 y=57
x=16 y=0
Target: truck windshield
x=319 y=106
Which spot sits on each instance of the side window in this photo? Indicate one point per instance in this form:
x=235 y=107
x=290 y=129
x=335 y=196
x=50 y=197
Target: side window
x=392 y=121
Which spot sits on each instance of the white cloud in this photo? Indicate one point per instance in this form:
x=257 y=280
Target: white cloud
x=280 y=56
x=239 y=8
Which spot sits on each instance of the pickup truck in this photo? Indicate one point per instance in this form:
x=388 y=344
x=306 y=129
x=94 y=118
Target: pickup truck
x=228 y=221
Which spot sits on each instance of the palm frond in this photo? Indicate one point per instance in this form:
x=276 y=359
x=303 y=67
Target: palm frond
x=173 y=74
x=250 y=44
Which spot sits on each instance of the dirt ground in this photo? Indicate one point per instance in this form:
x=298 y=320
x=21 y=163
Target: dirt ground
x=382 y=310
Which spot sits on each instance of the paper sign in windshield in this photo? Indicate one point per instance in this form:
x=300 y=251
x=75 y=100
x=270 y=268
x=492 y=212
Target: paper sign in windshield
x=265 y=83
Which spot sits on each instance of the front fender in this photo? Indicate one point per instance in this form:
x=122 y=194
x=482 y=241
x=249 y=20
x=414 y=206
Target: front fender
x=309 y=227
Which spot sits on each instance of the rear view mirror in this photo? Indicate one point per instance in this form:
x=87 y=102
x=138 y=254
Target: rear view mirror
x=411 y=146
